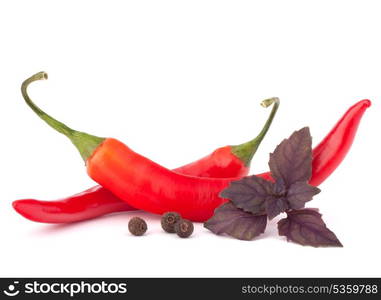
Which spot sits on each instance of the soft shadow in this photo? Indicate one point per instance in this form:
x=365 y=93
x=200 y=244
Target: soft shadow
x=121 y=217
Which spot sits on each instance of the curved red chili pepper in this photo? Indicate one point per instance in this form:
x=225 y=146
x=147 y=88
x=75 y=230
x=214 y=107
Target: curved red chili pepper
x=328 y=155
x=331 y=151
x=94 y=202
x=151 y=187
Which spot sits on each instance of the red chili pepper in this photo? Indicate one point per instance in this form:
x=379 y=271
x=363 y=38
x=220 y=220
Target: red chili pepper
x=331 y=151
x=328 y=155
x=228 y=161
x=94 y=202
x=124 y=172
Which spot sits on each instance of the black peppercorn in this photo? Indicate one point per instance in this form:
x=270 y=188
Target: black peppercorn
x=137 y=226
x=184 y=228
x=168 y=221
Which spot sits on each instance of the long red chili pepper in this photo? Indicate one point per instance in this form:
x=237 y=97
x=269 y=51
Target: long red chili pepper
x=228 y=161
x=331 y=151
x=94 y=202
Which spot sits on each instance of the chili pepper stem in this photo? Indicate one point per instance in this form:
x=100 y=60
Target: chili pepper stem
x=246 y=151
x=85 y=143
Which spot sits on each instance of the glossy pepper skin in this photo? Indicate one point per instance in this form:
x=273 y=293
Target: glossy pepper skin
x=328 y=155
x=94 y=202
x=331 y=151
x=151 y=187
x=222 y=163
x=228 y=161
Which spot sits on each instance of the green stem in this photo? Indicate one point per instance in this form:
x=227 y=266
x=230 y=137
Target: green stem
x=246 y=151
x=85 y=143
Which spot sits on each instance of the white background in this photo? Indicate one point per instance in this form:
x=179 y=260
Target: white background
x=174 y=80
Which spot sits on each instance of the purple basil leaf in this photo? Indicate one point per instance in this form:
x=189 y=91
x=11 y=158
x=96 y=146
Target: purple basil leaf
x=235 y=222
x=292 y=158
x=275 y=206
x=306 y=227
x=299 y=193
x=277 y=203
x=249 y=193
